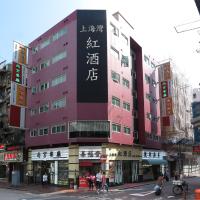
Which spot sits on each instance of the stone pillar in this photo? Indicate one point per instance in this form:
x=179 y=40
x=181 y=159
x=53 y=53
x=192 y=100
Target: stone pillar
x=73 y=161
x=29 y=168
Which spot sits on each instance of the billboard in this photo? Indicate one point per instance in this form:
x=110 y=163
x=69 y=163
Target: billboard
x=92 y=81
x=18 y=96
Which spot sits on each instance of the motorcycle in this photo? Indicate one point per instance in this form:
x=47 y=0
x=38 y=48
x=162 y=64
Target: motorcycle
x=179 y=186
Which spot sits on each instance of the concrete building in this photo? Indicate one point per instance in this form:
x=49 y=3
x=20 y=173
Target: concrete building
x=90 y=106
x=175 y=102
x=12 y=141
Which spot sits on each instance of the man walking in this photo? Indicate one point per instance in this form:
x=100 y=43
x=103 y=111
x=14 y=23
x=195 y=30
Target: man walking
x=98 y=181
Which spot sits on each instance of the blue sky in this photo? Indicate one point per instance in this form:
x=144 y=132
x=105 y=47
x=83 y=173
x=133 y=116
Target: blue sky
x=153 y=21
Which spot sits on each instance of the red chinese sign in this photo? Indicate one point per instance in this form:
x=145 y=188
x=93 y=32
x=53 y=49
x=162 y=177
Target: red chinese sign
x=196 y=149
x=10 y=156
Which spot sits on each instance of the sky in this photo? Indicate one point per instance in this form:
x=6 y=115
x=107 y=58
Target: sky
x=153 y=22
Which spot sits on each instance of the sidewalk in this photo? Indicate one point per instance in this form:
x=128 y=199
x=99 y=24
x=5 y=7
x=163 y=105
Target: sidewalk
x=40 y=189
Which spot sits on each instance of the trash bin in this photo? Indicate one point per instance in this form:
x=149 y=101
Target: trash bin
x=15 y=178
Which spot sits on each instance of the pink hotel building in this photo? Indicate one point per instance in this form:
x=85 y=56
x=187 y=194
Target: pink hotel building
x=92 y=101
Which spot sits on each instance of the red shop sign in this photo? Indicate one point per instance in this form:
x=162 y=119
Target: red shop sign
x=83 y=182
x=10 y=156
x=103 y=157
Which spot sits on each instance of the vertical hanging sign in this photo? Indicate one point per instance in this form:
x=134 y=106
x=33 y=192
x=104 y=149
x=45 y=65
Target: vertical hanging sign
x=92 y=56
x=18 y=86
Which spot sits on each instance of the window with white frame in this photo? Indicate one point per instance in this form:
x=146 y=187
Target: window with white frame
x=34 y=132
x=43 y=131
x=45 y=43
x=60 y=103
x=115 y=101
x=33 y=90
x=58 y=80
x=126 y=83
x=116 y=128
x=114 y=52
x=115 y=77
x=59 y=57
x=34 y=70
x=44 y=108
x=58 y=128
x=44 y=64
x=33 y=111
x=124 y=39
x=127 y=130
x=44 y=86
x=126 y=106
x=114 y=30
x=59 y=34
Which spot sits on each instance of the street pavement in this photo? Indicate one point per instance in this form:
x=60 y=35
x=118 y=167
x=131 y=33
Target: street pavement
x=124 y=192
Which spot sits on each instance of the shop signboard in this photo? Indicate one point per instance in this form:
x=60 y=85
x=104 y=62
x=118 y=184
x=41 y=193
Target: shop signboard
x=150 y=154
x=90 y=152
x=13 y=156
x=61 y=153
x=20 y=53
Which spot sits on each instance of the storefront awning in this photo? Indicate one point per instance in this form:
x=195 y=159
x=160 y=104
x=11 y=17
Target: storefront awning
x=154 y=162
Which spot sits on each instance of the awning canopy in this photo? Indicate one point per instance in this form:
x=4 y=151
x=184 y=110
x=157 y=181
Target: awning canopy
x=154 y=162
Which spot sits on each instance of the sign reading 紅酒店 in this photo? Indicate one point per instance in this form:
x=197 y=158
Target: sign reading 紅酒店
x=61 y=153
x=92 y=56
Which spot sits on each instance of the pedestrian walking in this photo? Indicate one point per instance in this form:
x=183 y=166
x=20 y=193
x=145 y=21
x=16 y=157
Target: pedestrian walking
x=104 y=183
x=98 y=181
x=44 y=179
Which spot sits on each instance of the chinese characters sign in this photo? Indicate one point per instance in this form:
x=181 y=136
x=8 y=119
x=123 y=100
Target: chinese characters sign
x=14 y=156
x=20 y=53
x=91 y=56
x=50 y=154
x=19 y=73
x=90 y=153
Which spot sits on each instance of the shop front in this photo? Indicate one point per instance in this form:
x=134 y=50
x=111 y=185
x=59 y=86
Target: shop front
x=3 y=166
x=123 y=163
x=153 y=163
x=53 y=162
x=13 y=160
x=89 y=163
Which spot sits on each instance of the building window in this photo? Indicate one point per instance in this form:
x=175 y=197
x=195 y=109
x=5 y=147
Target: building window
x=33 y=90
x=43 y=131
x=33 y=111
x=34 y=50
x=116 y=101
x=115 y=77
x=148 y=96
x=124 y=39
x=44 y=108
x=126 y=83
x=44 y=86
x=59 y=34
x=58 y=80
x=147 y=78
x=146 y=59
x=154 y=83
x=59 y=103
x=127 y=130
x=59 y=57
x=34 y=133
x=114 y=52
x=126 y=106
x=114 y=30
x=149 y=116
x=45 y=43
x=116 y=128
x=44 y=64
x=124 y=61
x=58 y=129
x=34 y=70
